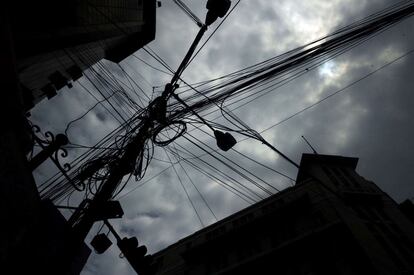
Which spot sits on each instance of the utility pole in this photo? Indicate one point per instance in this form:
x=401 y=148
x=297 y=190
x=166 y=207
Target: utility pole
x=125 y=164
x=122 y=167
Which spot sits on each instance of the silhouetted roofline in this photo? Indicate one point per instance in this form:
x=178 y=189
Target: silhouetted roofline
x=311 y=159
x=307 y=160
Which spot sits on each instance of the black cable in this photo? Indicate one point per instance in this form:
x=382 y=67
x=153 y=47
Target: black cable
x=340 y=90
x=82 y=116
x=151 y=66
x=227 y=186
x=198 y=191
x=143 y=183
x=265 y=190
x=233 y=190
x=188 y=196
x=221 y=23
x=219 y=172
x=233 y=169
x=255 y=161
x=236 y=84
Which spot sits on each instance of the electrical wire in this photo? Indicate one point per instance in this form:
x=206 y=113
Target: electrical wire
x=91 y=168
x=186 y=193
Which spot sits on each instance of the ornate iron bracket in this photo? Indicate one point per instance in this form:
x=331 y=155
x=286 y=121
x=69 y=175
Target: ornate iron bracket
x=51 y=148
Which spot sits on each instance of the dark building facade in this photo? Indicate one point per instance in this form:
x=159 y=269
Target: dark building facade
x=333 y=221
x=44 y=46
x=55 y=41
x=407 y=207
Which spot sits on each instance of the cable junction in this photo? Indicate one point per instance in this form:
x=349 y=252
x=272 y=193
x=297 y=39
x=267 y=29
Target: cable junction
x=128 y=150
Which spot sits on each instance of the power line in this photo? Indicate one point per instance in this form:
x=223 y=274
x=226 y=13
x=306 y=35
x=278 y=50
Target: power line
x=151 y=66
x=237 y=84
x=236 y=171
x=221 y=23
x=186 y=193
x=220 y=172
x=198 y=191
x=188 y=11
x=338 y=91
x=84 y=114
x=240 y=193
x=143 y=183
x=245 y=197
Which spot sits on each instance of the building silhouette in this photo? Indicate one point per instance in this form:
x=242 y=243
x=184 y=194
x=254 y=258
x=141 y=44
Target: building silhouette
x=333 y=221
x=55 y=41
x=45 y=46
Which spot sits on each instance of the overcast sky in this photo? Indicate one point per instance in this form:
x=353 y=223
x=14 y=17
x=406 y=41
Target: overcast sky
x=371 y=120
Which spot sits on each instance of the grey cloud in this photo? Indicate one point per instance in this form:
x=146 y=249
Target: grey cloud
x=371 y=120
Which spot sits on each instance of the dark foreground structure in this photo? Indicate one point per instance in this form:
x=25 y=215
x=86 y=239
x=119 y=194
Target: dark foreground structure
x=55 y=41
x=44 y=47
x=333 y=221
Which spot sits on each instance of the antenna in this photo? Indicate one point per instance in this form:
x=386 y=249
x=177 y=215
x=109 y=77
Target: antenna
x=187 y=11
x=307 y=142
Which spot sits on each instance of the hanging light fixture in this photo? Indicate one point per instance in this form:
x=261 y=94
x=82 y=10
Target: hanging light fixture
x=216 y=9
x=225 y=141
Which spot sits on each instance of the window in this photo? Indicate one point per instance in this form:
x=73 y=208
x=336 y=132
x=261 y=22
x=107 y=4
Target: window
x=381 y=212
x=330 y=175
x=159 y=262
x=387 y=248
x=243 y=220
x=402 y=235
x=217 y=263
x=320 y=218
x=397 y=242
x=249 y=249
x=349 y=175
x=340 y=176
x=216 y=232
x=372 y=214
x=360 y=212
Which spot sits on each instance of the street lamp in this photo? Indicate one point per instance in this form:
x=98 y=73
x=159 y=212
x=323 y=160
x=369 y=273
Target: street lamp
x=225 y=141
x=216 y=8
